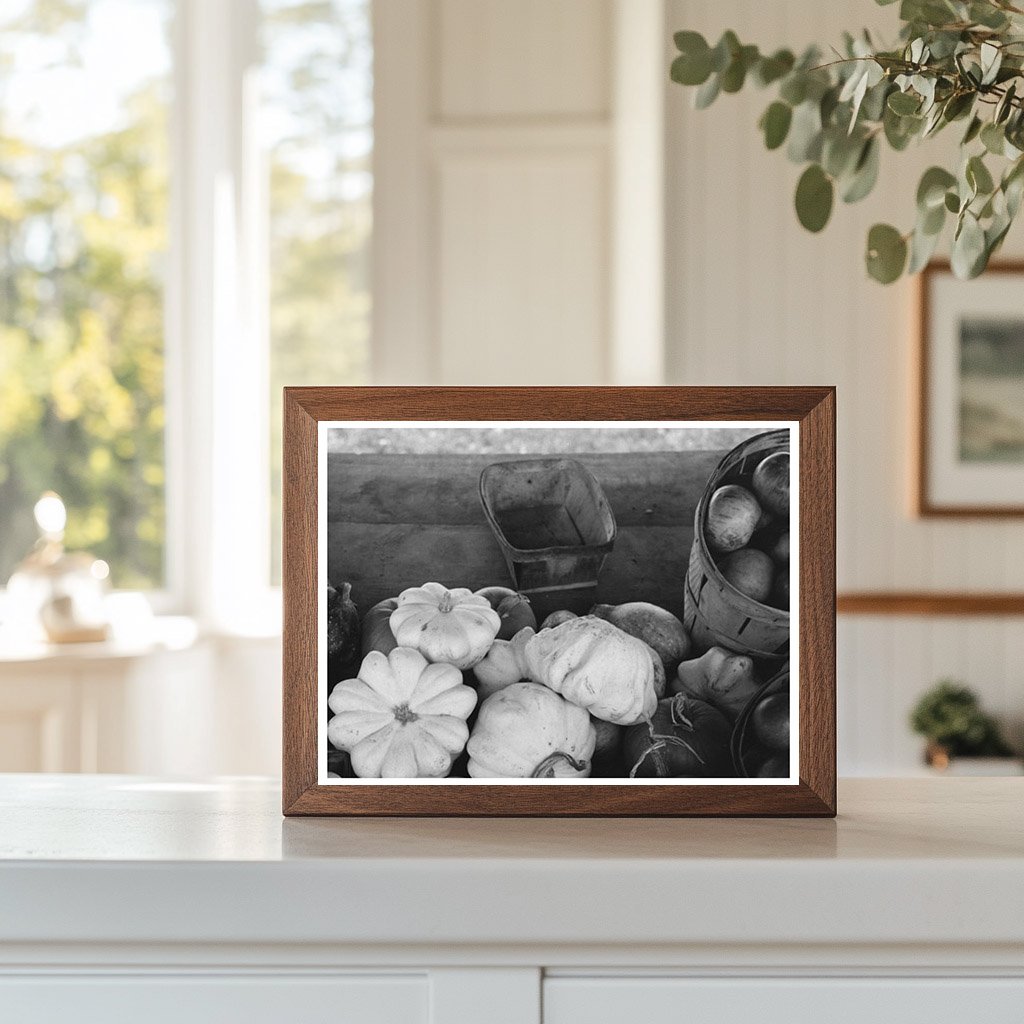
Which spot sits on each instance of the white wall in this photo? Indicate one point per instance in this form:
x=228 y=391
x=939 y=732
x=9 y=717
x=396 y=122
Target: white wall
x=754 y=299
x=501 y=131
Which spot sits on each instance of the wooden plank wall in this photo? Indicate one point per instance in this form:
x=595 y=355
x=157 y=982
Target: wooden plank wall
x=397 y=521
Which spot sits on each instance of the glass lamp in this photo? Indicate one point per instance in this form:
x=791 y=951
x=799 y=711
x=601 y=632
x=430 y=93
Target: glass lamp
x=54 y=594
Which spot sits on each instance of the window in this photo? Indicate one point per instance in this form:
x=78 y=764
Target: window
x=83 y=234
x=317 y=117
x=185 y=222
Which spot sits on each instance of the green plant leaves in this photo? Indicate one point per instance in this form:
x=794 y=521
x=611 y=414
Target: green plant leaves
x=886 y=254
x=993 y=138
x=805 y=133
x=969 y=255
x=865 y=173
x=956 y=60
x=771 y=69
x=775 y=122
x=693 y=65
x=814 y=195
x=904 y=103
x=931 y=191
x=978 y=176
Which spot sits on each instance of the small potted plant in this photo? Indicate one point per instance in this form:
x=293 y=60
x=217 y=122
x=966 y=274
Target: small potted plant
x=950 y=718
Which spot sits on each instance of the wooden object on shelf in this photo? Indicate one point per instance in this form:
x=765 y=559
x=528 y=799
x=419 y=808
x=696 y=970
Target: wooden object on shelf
x=928 y=603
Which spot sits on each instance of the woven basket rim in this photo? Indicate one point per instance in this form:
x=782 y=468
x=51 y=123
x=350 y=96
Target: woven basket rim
x=758 y=442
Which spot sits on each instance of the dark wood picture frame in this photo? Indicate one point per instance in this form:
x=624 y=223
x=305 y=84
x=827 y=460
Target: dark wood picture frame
x=923 y=505
x=812 y=407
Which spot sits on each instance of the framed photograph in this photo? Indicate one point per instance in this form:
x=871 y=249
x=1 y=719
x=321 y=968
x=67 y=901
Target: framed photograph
x=559 y=601
x=970 y=445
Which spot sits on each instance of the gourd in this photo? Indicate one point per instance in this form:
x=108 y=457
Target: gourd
x=557 y=618
x=596 y=666
x=453 y=626
x=660 y=679
x=342 y=633
x=654 y=625
x=607 y=759
x=513 y=609
x=377 y=635
x=503 y=664
x=402 y=717
x=515 y=613
x=495 y=595
x=527 y=731
x=685 y=738
x=719 y=677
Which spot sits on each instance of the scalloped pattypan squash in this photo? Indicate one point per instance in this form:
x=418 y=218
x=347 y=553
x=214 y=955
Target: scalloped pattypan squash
x=597 y=666
x=527 y=731
x=454 y=626
x=402 y=718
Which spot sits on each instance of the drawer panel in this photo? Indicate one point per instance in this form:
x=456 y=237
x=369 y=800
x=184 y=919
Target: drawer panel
x=783 y=1001
x=202 y=999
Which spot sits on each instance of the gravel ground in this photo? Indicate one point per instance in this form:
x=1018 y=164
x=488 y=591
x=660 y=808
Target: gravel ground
x=532 y=440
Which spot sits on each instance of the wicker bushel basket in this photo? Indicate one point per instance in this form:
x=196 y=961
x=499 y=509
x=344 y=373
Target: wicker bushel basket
x=716 y=613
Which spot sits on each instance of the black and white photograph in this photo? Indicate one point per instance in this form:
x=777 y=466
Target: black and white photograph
x=524 y=602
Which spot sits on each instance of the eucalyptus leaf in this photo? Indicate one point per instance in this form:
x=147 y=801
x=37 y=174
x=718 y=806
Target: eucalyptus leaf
x=724 y=51
x=794 y=88
x=993 y=138
x=957 y=106
x=991 y=60
x=932 y=220
x=805 y=133
x=865 y=174
x=886 y=253
x=775 y=124
x=973 y=130
x=904 y=103
x=1005 y=105
x=735 y=74
x=931 y=191
x=707 y=93
x=840 y=152
x=771 y=69
x=987 y=15
x=922 y=248
x=968 y=247
x=814 y=195
x=978 y=176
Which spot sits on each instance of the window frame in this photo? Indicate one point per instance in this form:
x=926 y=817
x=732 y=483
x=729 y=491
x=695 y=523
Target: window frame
x=217 y=351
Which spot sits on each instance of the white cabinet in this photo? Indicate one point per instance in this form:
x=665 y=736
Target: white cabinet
x=194 y=902
x=202 y=999
x=175 y=705
x=828 y=1000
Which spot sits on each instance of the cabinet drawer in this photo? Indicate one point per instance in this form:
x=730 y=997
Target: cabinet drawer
x=202 y=999
x=570 y=1000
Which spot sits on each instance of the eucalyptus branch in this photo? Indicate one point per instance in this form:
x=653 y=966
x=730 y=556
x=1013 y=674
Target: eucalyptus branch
x=955 y=61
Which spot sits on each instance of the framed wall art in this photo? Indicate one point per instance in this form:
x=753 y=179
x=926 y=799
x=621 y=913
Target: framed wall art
x=970 y=422
x=559 y=601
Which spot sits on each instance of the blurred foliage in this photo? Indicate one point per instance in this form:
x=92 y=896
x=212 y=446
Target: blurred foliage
x=957 y=61
x=82 y=242
x=949 y=715
x=318 y=82
x=82 y=230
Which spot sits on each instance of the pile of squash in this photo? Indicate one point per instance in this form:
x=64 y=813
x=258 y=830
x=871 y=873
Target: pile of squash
x=439 y=682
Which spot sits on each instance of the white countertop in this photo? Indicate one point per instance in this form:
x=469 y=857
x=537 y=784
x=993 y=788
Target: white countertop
x=122 y=859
